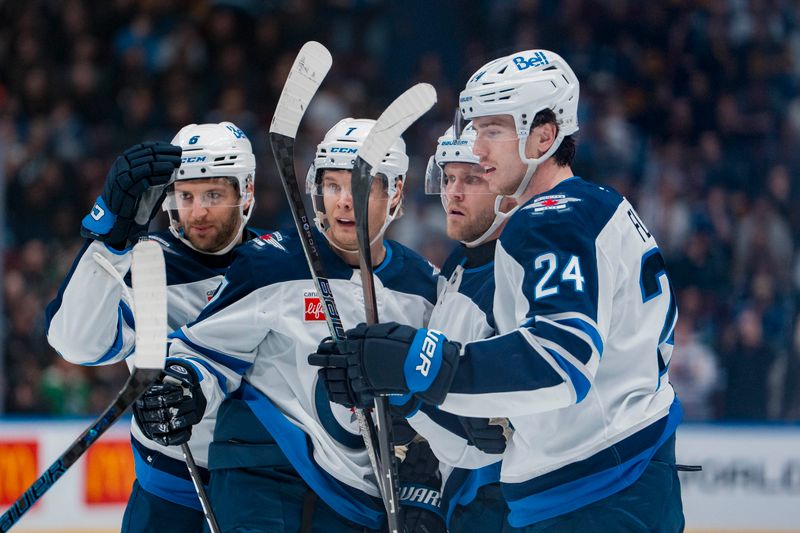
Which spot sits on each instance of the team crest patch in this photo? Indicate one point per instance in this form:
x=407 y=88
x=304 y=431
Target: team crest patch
x=210 y=294
x=273 y=239
x=312 y=307
x=552 y=202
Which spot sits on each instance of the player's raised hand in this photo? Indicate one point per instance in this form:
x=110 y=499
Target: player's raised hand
x=134 y=189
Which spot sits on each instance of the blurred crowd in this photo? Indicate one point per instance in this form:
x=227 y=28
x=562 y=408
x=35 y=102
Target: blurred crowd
x=690 y=109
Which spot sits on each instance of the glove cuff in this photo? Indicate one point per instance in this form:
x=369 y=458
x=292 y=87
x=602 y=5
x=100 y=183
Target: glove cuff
x=431 y=365
x=182 y=371
x=99 y=221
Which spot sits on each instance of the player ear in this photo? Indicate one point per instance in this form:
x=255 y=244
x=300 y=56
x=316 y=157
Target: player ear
x=398 y=197
x=249 y=194
x=541 y=139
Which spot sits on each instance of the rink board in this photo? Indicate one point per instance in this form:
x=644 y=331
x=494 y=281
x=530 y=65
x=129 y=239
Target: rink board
x=750 y=480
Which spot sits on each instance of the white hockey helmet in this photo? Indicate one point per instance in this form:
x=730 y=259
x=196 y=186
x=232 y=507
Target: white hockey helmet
x=215 y=151
x=338 y=151
x=450 y=149
x=521 y=85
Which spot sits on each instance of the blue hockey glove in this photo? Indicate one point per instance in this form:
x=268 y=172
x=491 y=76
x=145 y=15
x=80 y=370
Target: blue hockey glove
x=166 y=411
x=421 y=490
x=387 y=360
x=488 y=435
x=134 y=189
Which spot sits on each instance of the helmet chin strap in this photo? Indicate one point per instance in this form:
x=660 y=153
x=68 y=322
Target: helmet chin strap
x=499 y=218
x=533 y=164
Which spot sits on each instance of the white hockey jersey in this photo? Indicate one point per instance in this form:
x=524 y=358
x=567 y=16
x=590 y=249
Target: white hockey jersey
x=463 y=312
x=256 y=335
x=585 y=316
x=90 y=322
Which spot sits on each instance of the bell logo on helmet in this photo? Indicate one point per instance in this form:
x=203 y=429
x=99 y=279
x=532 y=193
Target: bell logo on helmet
x=239 y=134
x=537 y=60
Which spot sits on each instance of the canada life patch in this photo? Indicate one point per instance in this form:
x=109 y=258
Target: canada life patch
x=552 y=202
x=312 y=307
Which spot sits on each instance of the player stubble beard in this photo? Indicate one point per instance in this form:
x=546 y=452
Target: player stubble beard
x=227 y=230
x=472 y=228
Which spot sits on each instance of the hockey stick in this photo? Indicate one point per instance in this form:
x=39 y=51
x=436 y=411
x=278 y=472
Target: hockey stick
x=309 y=69
x=188 y=458
x=406 y=109
x=197 y=481
x=150 y=298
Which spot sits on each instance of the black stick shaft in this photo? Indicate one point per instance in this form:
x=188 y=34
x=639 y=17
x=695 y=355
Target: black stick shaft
x=362 y=185
x=197 y=480
x=133 y=388
x=283 y=151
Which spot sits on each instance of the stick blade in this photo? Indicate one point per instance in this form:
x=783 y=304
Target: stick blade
x=150 y=301
x=400 y=114
x=309 y=69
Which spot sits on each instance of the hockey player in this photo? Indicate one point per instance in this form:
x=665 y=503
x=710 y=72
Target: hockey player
x=284 y=457
x=463 y=312
x=90 y=321
x=585 y=318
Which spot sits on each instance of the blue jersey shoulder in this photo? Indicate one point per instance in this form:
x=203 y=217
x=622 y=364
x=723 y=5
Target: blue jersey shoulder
x=478 y=285
x=456 y=257
x=186 y=265
x=569 y=216
x=271 y=258
x=404 y=270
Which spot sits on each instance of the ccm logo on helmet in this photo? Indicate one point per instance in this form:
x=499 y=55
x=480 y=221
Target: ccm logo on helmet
x=429 y=345
x=537 y=60
x=340 y=150
x=193 y=159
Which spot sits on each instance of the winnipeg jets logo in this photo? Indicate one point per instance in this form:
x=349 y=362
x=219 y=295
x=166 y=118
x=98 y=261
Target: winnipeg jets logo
x=273 y=239
x=553 y=202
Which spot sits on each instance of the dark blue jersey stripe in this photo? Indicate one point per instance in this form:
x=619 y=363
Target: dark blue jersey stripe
x=515 y=367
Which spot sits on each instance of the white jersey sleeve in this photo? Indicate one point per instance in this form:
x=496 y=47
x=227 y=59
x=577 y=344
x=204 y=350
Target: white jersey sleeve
x=91 y=322
x=463 y=312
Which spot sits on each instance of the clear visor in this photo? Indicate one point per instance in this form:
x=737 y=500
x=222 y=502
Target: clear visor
x=189 y=199
x=456 y=179
x=336 y=186
x=335 y=191
x=496 y=128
